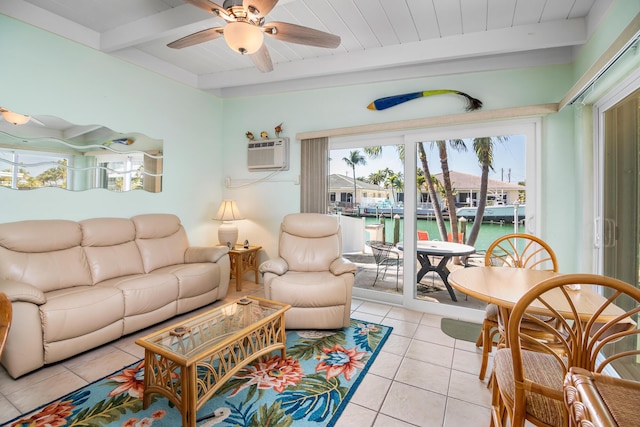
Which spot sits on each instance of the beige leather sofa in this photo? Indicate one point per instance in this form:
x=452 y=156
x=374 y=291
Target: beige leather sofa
x=310 y=273
x=78 y=285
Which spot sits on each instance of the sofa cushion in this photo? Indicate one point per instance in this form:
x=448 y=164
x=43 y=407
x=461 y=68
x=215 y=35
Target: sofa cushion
x=114 y=261
x=46 y=271
x=107 y=231
x=304 y=254
x=310 y=241
x=144 y=293
x=73 y=312
x=161 y=240
x=29 y=236
x=44 y=253
x=194 y=279
x=319 y=289
x=110 y=248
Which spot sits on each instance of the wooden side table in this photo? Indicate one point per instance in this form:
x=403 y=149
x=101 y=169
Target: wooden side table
x=242 y=261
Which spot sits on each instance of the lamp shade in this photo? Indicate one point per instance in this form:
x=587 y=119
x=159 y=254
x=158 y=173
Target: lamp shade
x=228 y=232
x=243 y=37
x=228 y=211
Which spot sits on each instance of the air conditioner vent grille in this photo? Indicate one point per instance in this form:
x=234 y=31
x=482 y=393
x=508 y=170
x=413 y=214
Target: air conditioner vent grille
x=268 y=154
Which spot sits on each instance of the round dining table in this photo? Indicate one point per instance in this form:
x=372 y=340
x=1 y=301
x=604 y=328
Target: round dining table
x=504 y=286
x=436 y=248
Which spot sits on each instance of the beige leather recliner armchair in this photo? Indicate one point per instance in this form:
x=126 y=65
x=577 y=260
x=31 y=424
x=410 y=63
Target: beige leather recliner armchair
x=310 y=273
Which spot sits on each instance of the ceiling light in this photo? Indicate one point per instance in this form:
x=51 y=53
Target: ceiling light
x=15 y=118
x=243 y=37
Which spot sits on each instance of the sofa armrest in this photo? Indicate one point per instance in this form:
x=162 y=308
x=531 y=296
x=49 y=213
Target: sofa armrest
x=341 y=266
x=19 y=291
x=277 y=266
x=195 y=254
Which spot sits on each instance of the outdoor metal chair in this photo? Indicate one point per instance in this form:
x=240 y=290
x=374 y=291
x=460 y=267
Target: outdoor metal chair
x=385 y=256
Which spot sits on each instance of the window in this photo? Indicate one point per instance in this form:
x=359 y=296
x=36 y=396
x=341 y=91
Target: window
x=44 y=170
x=394 y=183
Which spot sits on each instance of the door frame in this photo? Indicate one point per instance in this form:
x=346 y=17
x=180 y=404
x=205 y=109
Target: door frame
x=530 y=127
x=612 y=98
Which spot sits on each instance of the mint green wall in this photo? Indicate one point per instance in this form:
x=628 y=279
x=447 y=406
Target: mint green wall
x=580 y=217
x=264 y=203
x=44 y=74
x=620 y=14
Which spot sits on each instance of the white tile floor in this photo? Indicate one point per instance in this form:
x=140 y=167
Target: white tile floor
x=422 y=377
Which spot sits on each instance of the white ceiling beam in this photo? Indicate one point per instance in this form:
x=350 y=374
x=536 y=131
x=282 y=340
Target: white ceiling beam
x=48 y=21
x=142 y=59
x=179 y=21
x=525 y=38
x=535 y=58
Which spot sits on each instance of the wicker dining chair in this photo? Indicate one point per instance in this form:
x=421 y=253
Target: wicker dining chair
x=5 y=319
x=516 y=250
x=529 y=374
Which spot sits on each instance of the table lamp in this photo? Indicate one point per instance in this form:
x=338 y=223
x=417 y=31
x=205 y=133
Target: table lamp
x=228 y=232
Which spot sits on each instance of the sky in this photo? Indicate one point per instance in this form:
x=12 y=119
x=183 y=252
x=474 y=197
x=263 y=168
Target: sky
x=509 y=158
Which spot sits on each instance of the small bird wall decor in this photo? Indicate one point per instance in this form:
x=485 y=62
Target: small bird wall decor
x=391 y=101
x=264 y=134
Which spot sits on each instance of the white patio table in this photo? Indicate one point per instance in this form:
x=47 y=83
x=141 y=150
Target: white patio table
x=445 y=250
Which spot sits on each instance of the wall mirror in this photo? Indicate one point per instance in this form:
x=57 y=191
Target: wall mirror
x=48 y=151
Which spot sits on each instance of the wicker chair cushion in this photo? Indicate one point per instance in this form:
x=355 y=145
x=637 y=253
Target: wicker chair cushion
x=539 y=368
x=622 y=402
x=491 y=312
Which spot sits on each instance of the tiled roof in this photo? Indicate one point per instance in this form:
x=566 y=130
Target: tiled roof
x=464 y=181
x=343 y=182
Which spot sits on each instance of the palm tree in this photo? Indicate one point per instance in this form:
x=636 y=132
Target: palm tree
x=396 y=183
x=376 y=178
x=484 y=151
x=355 y=158
x=422 y=154
x=458 y=145
x=421 y=182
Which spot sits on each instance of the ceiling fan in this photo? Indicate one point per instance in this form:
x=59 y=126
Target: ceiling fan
x=246 y=27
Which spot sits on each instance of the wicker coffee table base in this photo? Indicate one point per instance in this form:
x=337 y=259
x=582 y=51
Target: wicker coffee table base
x=190 y=383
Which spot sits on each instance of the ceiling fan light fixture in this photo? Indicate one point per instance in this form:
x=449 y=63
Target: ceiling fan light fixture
x=243 y=37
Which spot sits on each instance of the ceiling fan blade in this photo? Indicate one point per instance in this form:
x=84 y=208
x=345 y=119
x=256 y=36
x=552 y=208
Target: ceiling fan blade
x=259 y=7
x=210 y=7
x=262 y=60
x=293 y=33
x=197 y=38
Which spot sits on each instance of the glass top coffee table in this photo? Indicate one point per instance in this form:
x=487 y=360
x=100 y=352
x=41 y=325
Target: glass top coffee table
x=187 y=362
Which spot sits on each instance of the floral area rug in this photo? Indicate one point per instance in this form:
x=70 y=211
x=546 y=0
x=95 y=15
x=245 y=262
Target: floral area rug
x=310 y=387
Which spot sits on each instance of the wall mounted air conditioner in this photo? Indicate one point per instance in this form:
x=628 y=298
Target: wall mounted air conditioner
x=268 y=154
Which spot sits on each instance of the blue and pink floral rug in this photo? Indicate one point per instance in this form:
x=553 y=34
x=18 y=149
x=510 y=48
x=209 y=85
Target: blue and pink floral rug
x=310 y=387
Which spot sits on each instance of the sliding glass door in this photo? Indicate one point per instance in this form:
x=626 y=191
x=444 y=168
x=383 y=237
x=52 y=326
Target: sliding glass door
x=620 y=230
x=377 y=183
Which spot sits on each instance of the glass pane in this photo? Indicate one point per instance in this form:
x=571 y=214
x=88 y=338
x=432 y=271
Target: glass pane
x=449 y=178
x=622 y=205
x=370 y=232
